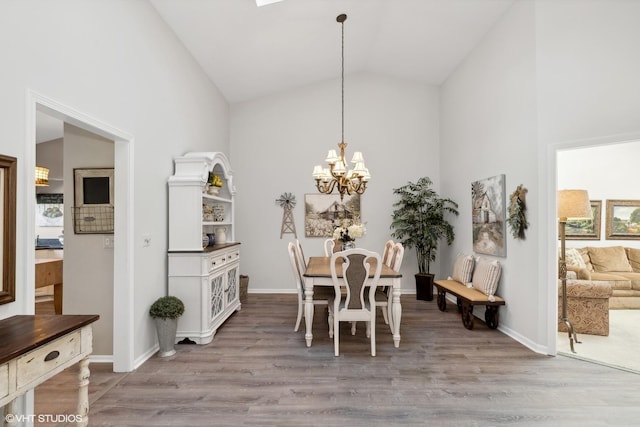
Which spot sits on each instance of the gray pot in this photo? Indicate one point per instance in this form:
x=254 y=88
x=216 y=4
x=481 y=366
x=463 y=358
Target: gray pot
x=166 y=329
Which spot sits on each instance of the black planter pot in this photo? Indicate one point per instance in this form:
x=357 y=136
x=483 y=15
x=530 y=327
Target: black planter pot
x=424 y=286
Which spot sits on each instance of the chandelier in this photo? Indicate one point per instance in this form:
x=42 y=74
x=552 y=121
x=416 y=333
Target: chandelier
x=337 y=176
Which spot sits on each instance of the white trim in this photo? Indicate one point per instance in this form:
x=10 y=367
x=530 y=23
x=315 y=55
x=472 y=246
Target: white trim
x=123 y=338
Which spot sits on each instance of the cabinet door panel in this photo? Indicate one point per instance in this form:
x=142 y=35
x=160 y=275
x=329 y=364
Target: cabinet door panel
x=217 y=295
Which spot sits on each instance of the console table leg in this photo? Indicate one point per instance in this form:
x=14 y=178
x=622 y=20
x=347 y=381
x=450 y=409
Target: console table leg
x=83 y=392
x=9 y=421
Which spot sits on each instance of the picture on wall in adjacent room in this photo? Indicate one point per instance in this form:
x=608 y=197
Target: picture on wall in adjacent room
x=488 y=216
x=324 y=212
x=623 y=219
x=586 y=229
x=49 y=210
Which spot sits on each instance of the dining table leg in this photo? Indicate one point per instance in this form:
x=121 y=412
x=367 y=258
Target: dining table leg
x=396 y=313
x=308 y=311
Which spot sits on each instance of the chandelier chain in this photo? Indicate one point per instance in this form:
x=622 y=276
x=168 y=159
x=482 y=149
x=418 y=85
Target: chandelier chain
x=342 y=79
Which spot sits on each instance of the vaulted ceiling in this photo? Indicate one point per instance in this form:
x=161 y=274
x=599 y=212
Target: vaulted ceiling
x=251 y=51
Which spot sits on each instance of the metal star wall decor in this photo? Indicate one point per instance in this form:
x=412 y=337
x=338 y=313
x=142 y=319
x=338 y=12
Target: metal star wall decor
x=287 y=201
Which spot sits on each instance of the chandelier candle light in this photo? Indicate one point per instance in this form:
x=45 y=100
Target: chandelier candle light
x=337 y=175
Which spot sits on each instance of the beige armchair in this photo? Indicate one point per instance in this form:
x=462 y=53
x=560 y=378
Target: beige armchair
x=587 y=306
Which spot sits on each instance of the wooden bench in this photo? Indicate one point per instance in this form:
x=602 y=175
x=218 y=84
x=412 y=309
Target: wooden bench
x=467 y=298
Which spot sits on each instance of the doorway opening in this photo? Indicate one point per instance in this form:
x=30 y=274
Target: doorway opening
x=122 y=358
x=605 y=170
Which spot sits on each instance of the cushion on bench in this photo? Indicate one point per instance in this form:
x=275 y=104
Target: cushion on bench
x=486 y=276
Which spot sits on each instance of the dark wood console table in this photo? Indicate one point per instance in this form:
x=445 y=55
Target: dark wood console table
x=35 y=348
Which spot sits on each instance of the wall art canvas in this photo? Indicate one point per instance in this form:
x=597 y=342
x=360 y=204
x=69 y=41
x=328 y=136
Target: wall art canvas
x=488 y=216
x=49 y=210
x=623 y=219
x=324 y=212
x=585 y=229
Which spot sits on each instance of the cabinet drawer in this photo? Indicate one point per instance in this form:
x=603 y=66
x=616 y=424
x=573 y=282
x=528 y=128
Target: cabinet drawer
x=217 y=261
x=233 y=255
x=4 y=380
x=39 y=362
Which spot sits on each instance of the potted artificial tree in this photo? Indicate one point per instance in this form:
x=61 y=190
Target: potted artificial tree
x=165 y=311
x=419 y=222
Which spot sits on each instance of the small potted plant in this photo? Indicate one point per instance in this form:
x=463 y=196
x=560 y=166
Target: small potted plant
x=419 y=221
x=166 y=311
x=214 y=183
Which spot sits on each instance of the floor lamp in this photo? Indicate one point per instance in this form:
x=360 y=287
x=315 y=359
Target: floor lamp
x=572 y=204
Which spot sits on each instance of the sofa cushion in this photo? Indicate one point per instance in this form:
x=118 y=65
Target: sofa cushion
x=574 y=259
x=634 y=258
x=486 y=276
x=617 y=280
x=463 y=269
x=633 y=278
x=609 y=259
x=584 y=252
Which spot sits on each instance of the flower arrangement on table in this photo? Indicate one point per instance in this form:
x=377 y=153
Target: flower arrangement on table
x=348 y=231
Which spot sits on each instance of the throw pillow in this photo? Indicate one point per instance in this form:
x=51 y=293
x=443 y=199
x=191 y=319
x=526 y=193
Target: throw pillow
x=608 y=259
x=634 y=258
x=463 y=269
x=574 y=259
x=486 y=276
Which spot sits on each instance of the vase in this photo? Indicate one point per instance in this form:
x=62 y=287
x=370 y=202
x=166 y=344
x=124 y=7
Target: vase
x=351 y=244
x=167 y=330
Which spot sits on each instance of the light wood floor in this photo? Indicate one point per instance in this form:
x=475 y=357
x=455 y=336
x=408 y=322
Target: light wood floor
x=258 y=372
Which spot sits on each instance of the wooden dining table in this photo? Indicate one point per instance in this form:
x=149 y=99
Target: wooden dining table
x=318 y=273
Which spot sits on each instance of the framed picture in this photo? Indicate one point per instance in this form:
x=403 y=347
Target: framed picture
x=586 y=229
x=93 y=201
x=488 y=216
x=49 y=210
x=623 y=219
x=324 y=212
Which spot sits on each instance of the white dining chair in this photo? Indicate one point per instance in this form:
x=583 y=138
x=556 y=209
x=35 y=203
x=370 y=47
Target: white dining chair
x=329 y=245
x=303 y=260
x=354 y=292
x=386 y=253
x=384 y=296
x=321 y=294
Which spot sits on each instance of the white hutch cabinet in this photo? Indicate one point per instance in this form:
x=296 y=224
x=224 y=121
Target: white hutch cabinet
x=206 y=278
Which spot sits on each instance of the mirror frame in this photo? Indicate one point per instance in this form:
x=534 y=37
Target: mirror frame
x=8 y=180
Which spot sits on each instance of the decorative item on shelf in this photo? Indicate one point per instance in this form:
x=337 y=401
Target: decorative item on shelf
x=207 y=213
x=287 y=202
x=218 y=213
x=211 y=237
x=205 y=240
x=166 y=311
x=572 y=204
x=221 y=235
x=337 y=176
x=347 y=232
x=214 y=184
x=517 y=218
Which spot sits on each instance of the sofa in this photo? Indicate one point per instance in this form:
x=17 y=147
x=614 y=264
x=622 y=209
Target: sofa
x=618 y=265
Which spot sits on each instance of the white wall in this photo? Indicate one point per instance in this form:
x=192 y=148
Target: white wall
x=88 y=265
x=117 y=62
x=277 y=140
x=488 y=113
x=606 y=172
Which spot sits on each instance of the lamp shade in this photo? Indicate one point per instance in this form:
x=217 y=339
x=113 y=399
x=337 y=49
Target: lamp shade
x=42 y=176
x=574 y=204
